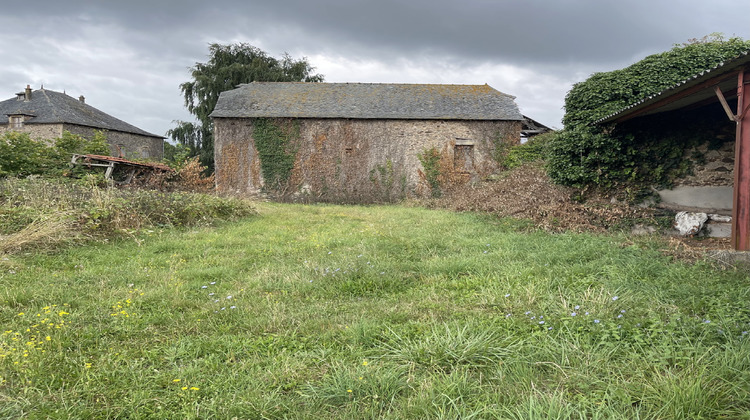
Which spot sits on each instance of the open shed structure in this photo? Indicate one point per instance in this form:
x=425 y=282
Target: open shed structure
x=727 y=85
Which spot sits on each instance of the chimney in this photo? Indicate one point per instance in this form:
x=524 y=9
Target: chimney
x=82 y=99
x=27 y=94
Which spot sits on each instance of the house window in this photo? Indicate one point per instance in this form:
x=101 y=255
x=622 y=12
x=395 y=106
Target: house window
x=16 y=121
x=463 y=156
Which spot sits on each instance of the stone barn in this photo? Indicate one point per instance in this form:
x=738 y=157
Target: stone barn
x=359 y=142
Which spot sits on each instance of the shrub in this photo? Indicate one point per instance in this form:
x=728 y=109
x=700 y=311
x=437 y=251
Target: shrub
x=189 y=176
x=533 y=150
x=21 y=156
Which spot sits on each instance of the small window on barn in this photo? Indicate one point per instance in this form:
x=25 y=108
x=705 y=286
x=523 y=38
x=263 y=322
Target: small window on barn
x=463 y=156
x=144 y=152
x=16 y=121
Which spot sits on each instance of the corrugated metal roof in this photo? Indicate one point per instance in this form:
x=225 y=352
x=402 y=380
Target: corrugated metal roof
x=50 y=107
x=718 y=70
x=366 y=101
x=152 y=165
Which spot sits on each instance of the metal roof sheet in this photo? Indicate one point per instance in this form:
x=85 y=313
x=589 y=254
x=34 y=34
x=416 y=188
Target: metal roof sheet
x=366 y=101
x=720 y=69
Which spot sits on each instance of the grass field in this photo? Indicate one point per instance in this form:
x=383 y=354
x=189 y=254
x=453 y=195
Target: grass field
x=371 y=312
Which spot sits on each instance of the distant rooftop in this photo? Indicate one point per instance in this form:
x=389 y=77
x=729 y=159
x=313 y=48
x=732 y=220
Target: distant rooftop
x=366 y=101
x=50 y=107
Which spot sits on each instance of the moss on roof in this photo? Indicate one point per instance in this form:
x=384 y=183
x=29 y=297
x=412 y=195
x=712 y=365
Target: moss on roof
x=366 y=101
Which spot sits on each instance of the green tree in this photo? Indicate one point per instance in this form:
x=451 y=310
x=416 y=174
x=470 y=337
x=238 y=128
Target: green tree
x=227 y=67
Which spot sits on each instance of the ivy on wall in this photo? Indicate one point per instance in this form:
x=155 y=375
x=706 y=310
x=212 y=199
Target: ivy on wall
x=430 y=159
x=383 y=179
x=277 y=142
x=586 y=154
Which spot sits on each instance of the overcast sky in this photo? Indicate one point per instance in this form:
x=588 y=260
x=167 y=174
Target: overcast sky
x=129 y=57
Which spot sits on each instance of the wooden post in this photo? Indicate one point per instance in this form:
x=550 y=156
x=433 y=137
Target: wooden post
x=110 y=168
x=741 y=206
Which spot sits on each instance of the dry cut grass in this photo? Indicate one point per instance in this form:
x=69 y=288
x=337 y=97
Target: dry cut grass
x=47 y=230
x=528 y=193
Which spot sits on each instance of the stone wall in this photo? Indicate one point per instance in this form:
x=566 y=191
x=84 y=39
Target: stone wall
x=134 y=146
x=341 y=160
x=37 y=131
x=709 y=185
x=713 y=163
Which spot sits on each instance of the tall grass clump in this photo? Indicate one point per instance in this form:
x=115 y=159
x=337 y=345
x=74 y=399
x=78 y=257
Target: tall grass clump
x=43 y=212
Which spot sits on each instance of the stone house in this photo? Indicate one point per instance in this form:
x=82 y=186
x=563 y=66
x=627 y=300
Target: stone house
x=45 y=114
x=359 y=142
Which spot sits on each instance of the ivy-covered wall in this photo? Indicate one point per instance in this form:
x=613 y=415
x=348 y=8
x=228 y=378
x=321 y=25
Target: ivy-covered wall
x=692 y=147
x=649 y=151
x=350 y=161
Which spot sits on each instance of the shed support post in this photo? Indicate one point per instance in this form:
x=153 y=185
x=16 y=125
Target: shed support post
x=108 y=172
x=741 y=206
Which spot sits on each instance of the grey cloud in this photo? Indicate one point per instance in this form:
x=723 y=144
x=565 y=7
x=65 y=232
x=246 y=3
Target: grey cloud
x=145 y=48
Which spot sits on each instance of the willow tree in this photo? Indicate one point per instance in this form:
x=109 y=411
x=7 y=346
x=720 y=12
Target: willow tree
x=227 y=67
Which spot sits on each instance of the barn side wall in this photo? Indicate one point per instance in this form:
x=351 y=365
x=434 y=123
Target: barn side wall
x=362 y=161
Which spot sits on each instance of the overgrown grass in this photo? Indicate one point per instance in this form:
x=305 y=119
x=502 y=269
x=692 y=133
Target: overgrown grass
x=39 y=212
x=371 y=312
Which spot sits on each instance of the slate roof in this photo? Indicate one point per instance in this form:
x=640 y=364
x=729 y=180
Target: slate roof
x=366 y=101
x=50 y=107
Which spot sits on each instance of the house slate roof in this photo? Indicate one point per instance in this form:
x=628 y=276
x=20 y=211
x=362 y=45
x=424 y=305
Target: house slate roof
x=50 y=107
x=366 y=101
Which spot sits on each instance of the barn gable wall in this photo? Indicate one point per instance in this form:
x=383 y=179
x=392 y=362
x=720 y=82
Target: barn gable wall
x=345 y=160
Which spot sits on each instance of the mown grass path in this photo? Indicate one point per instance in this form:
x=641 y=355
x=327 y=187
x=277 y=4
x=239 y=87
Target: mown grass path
x=371 y=312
